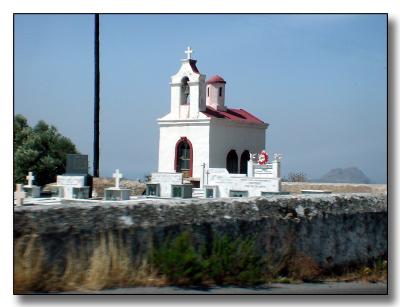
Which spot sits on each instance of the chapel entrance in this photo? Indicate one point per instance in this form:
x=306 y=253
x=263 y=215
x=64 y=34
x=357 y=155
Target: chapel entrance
x=232 y=162
x=184 y=157
x=243 y=161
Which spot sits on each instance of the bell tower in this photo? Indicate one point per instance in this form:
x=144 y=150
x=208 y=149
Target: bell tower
x=216 y=93
x=187 y=90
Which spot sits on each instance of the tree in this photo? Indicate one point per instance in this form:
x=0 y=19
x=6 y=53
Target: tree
x=41 y=149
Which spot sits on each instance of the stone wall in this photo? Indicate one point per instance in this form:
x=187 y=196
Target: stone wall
x=335 y=230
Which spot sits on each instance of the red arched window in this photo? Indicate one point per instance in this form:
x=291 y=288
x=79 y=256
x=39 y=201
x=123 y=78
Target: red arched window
x=184 y=157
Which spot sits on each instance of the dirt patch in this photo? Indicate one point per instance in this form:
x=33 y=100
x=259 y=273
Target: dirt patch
x=296 y=187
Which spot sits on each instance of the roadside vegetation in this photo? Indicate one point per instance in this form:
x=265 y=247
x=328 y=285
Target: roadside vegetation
x=40 y=149
x=224 y=261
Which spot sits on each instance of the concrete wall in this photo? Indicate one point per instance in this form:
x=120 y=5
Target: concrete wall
x=335 y=230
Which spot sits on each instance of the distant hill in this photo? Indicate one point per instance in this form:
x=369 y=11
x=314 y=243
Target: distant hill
x=345 y=175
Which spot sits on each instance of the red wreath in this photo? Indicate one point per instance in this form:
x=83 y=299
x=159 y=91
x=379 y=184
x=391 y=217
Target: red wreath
x=263 y=157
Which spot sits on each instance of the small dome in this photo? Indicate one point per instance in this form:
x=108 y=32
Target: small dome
x=216 y=79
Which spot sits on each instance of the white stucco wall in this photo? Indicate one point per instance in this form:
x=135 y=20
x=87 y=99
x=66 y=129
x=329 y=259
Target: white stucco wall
x=227 y=135
x=197 y=132
x=213 y=99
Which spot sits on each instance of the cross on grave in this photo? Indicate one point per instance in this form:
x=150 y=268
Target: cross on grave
x=207 y=173
x=30 y=179
x=189 y=52
x=117 y=175
x=19 y=195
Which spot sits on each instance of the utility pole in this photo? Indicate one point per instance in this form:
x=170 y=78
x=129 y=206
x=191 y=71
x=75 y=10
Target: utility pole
x=96 y=143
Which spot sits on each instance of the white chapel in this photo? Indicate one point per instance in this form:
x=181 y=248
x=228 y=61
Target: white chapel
x=201 y=132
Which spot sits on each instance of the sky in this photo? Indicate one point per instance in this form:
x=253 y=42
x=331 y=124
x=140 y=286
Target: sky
x=320 y=81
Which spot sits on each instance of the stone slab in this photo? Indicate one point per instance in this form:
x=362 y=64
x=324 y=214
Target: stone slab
x=32 y=191
x=116 y=194
x=80 y=192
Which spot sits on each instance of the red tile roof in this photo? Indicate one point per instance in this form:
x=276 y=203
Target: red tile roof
x=238 y=115
x=216 y=79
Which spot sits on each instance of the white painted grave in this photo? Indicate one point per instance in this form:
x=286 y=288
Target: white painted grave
x=164 y=181
x=116 y=193
x=70 y=182
x=31 y=190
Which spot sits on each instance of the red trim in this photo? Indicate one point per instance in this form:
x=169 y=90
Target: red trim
x=184 y=139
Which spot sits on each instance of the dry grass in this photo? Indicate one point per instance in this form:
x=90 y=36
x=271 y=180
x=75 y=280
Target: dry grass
x=108 y=266
x=28 y=266
x=377 y=272
x=302 y=267
x=296 y=187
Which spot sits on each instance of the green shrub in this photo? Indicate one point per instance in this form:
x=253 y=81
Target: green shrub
x=235 y=261
x=179 y=262
x=228 y=262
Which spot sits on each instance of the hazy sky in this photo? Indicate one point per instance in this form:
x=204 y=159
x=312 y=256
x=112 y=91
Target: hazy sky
x=318 y=80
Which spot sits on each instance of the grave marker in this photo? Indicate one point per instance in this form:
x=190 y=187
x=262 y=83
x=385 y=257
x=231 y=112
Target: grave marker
x=19 y=195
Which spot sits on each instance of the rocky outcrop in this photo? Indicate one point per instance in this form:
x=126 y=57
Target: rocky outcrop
x=345 y=175
x=335 y=229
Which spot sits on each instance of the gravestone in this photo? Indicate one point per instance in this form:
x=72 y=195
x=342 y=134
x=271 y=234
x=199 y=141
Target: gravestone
x=31 y=190
x=181 y=190
x=161 y=183
x=116 y=193
x=19 y=195
x=76 y=182
x=211 y=191
x=77 y=164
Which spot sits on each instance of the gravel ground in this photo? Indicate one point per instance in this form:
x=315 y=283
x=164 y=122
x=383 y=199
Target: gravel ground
x=276 y=288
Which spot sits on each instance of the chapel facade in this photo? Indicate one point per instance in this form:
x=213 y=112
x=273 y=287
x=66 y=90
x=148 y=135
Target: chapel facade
x=201 y=131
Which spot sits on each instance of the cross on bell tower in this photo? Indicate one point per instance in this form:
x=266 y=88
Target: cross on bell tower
x=189 y=52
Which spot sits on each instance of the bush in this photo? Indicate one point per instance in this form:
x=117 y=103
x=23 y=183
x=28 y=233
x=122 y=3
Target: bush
x=179 y=262
x=229 y=262
x=234 y=261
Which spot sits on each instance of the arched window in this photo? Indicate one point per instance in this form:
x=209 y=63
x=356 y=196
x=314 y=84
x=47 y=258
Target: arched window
x=243 y=161
x=184 y=157
x=185 y=90
x=232 y=162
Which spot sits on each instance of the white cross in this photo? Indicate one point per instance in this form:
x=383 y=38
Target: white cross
x=19 y=195
x=277 y=157
x=117 y=175
x=189 y=52
x=30 y=178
